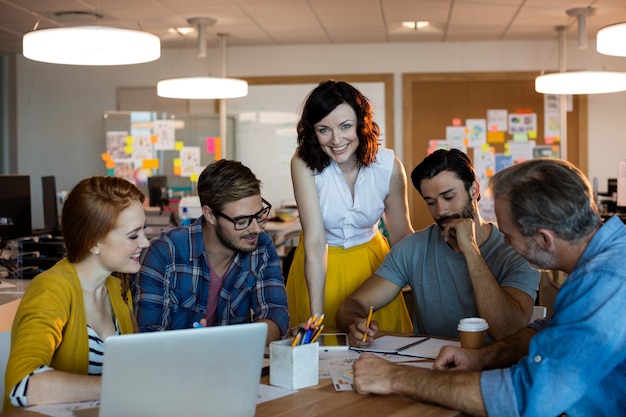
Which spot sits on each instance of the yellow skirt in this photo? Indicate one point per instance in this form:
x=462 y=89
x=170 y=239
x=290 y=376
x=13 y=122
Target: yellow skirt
x=346 y=270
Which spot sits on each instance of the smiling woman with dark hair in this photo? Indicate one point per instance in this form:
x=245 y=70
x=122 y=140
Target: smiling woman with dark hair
x=344 y=181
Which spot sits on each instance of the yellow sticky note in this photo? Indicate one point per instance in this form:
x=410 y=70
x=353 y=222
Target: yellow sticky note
x=485 y=147
x=179 y=145
x=532 y=134
x=129 y=140
x=177 y=163
x=193 y=177
x=128 y=149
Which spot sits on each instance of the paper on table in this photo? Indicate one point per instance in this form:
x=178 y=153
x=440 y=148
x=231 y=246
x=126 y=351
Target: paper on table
x=270 y=392
x=4 y=284
x=427 y=348
x=336 y=360
x=63 y=410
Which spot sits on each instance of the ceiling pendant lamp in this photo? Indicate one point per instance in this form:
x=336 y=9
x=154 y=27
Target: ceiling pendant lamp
x=579 y=82
x=611 y=40
x=201 y=87
x=91 y=45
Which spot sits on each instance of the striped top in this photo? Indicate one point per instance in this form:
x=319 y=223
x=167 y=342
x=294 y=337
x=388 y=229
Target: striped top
x=96 y=355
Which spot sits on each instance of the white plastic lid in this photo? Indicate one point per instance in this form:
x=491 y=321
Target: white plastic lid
x=472 y=324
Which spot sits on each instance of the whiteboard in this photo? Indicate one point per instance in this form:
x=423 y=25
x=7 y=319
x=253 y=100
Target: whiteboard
x=265 y=131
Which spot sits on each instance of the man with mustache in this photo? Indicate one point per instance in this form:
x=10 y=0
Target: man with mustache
x=572 y=364
x=458 y=267
x=222 y=269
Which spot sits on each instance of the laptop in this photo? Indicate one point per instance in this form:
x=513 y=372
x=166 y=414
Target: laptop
x=192 y=372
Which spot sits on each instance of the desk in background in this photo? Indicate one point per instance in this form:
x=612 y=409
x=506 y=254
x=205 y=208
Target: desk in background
x=11 y=292
x=283 y=234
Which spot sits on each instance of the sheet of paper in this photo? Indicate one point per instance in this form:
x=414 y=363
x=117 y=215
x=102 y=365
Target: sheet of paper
x=270 y=392
x=428 y=349
x=63 y=410
x=343 y=380
x=339 y=360
x=4 y=284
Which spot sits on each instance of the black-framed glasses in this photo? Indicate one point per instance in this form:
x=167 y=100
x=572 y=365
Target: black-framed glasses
x=243 y=222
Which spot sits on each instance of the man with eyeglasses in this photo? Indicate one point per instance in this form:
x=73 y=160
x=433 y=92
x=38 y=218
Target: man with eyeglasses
x=222 y=269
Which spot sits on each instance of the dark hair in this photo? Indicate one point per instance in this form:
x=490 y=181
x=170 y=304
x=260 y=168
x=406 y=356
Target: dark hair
x=548 y=193
x=91 y=212
x=444 y=160
x=320 y=103
x=225 y=181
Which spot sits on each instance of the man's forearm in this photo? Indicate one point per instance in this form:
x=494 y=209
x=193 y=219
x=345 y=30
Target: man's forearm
x=508 y=351
x=456 y=390
x=348 y=310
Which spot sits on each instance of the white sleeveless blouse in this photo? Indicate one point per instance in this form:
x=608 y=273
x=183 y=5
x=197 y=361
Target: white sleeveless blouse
x=351 y=222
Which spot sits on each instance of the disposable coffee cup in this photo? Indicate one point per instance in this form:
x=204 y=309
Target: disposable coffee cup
x=472 y=332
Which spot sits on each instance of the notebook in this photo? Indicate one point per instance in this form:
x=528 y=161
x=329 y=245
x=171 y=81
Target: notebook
x=423 y=347
x=192 y=372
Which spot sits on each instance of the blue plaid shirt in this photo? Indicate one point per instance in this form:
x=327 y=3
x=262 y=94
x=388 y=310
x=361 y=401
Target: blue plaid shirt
x=172 y=288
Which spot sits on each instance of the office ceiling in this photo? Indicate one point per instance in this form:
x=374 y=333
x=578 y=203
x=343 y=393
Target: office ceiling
x=302 y=22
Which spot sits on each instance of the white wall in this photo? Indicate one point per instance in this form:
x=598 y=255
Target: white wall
x=60 y=129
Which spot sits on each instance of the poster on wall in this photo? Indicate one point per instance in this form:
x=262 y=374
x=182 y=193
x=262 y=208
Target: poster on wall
x=116 y=145
x=476 y=132
x=190 y=161
x=485 y=166
x=551 y=119
x=165 y=131
x=522 y=123
x=142 y=147
x=497 y=120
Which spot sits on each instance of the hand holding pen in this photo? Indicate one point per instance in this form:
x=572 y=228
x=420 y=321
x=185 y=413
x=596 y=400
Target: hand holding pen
x=367 y=324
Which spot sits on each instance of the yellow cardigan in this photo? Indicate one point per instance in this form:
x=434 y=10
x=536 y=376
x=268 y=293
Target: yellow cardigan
x=50 y=326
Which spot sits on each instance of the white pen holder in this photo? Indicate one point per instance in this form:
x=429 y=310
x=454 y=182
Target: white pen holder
x=294 y=367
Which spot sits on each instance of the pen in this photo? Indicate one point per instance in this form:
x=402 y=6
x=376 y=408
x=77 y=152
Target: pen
x=197 y=325
x=317 y=333
x=319 y=321
x=296 y=340
x=410 y=345
x=307 y=336
x=369 y=320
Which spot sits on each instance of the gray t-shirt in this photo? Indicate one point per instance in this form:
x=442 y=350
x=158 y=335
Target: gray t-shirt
x=440 y=280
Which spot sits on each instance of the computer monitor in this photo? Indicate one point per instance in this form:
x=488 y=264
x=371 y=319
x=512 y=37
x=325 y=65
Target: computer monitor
x=15 y=216
x=157 y=191
x=50 y=207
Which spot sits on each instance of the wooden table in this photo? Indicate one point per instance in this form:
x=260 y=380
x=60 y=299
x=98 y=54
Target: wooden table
x=323 y=400
x=320 y=400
